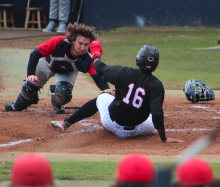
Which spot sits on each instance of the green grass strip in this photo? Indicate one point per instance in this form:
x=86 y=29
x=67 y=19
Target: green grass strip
x=83 y=170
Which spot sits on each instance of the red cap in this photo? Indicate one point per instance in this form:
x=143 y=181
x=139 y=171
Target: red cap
x=31 y=170
x=135 y=168
x=195 y=171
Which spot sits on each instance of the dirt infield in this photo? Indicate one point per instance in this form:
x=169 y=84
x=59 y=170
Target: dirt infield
x=32 y=126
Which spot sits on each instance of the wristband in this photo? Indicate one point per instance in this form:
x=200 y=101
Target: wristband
x=97 y=57
x=162 y=135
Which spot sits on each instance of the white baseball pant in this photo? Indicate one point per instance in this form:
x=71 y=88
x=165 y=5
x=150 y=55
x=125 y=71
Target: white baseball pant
x=103 y=102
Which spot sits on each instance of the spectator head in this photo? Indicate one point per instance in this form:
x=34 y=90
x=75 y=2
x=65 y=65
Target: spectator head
x=194 y=172
x=135 y=170
x=31 y=170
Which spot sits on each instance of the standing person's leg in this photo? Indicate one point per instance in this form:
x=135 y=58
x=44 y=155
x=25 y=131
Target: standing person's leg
x=63 y=91
x=64 y=10
x=53 y=16
x=54 y=10
x=29 y=90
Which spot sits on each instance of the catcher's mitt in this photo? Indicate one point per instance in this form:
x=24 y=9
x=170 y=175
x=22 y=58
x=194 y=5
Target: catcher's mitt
x=109 y=91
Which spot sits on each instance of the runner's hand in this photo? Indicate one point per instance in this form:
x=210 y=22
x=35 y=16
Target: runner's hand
x=173 y=140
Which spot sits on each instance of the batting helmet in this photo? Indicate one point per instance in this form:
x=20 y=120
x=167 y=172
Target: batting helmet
x=147 y=58
x=197 y=91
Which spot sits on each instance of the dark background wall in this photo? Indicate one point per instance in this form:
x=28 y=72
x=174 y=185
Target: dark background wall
x=106 y=14
x=110 y=14
x=20 y=8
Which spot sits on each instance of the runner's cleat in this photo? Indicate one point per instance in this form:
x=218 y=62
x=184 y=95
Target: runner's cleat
x=60 y=126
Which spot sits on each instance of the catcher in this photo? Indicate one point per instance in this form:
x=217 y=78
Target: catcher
x=61 y=57
x=137 y=94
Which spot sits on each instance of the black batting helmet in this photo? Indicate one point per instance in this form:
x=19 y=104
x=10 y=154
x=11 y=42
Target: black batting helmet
x=148 y=58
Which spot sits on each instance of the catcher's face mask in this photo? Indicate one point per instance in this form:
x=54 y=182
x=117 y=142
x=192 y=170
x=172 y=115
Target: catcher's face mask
x=197 y=91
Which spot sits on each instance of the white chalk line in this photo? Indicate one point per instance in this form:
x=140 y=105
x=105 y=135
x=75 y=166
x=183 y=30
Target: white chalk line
x=40 y=138
x=86 y=123
x=35 y=139
x=206 y=108
x=77 y=132
x=193 y=129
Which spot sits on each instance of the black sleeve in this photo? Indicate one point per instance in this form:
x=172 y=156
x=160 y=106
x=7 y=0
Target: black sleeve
x=110 y=73
x=32 y=63
x=100 y=82
x=156 y=97
x=158 y=121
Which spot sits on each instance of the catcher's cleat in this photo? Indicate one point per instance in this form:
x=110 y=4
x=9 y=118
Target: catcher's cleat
x=10 y=107
x=60 y=126
x=59 y=109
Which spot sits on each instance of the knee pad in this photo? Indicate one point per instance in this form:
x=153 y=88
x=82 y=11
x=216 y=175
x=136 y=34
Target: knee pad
x=29 y=91
x=62 y=94
x=27 y=96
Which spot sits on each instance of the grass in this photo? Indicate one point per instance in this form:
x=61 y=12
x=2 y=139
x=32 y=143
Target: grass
x=5 y=169
x=177 y=64
x=83 y=170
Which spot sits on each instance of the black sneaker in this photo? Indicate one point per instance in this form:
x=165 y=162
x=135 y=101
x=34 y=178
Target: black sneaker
x=10 y=107
x=59 y=109
x=60 y=126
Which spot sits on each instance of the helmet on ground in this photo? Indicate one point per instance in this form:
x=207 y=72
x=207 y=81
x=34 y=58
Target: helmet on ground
x=197 y=91
x=147 y=58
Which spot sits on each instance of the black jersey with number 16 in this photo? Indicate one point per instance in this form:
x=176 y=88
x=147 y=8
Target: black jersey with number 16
x=137 y=94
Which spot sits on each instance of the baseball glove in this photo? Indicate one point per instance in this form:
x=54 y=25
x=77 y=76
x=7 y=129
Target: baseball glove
x=109 y=91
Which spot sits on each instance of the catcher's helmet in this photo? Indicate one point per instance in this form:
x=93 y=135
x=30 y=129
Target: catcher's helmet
x=148 y=58
x=197 y=91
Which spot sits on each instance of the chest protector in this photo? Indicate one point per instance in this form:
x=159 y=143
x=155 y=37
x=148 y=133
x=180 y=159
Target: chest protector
x=60 y=63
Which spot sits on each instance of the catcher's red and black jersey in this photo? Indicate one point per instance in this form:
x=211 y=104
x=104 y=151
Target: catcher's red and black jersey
x=137 y=94
x=83 y=63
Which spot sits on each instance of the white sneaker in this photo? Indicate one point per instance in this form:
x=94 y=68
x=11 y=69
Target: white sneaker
x=52 y=26
x=60 y=126
x=62 y=27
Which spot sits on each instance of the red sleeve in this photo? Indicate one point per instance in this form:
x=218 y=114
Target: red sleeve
x=92 y=70
x=49 y=46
